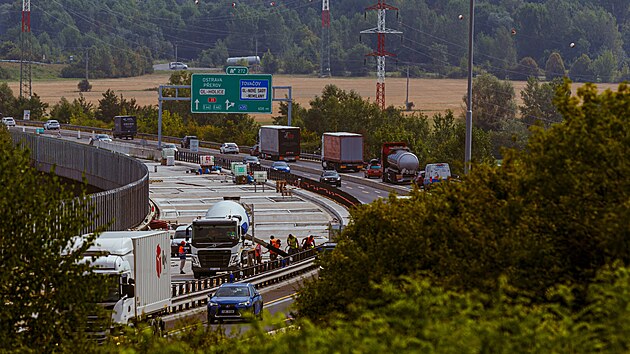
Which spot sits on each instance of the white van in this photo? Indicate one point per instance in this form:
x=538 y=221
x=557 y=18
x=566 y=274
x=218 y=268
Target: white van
x=436 y=172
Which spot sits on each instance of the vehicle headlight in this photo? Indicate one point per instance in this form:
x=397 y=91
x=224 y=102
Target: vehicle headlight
x=244 y=303
x=213 y=304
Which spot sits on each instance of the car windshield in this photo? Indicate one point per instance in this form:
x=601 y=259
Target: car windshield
x=232 y=291
x=375 y=167
x=329 y=174
x=102 y=136
x=251 y=159
x=170 y=146
x=280 y=164
x=230 y=145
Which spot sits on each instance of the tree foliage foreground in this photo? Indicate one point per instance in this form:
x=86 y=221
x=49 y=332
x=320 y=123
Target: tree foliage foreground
x=554 y=213
x=47 y=292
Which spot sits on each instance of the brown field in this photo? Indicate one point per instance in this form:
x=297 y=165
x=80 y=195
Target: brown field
x=429 y=95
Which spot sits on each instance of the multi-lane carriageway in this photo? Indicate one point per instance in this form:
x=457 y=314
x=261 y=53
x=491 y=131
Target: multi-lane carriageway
x=182 y=196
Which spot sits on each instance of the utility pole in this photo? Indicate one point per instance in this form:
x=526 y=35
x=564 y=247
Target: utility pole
x=26 y=88
x=380 y=52
x=324 y=70
x=87 y=59
x=175 y=51
x=407 y=98
x=468 y=147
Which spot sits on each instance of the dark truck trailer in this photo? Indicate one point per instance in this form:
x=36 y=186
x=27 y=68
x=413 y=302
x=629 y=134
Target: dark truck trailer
x=342 y=151
x=278 y=142
x=125 y=127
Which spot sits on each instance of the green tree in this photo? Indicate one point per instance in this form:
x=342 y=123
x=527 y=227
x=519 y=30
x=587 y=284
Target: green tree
x=48 y=293
x=554 y=68
x=7 y=100
x=605 y=66
x=538 y=103
x=541 y=231
x=581 y=69
x=62 y=111
x=269 y=63
x=526 y=68
x=493 y=102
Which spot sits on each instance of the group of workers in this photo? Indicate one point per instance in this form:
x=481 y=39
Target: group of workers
x=292 y=247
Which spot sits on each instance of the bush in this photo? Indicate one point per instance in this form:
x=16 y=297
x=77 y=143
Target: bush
x=84 y=85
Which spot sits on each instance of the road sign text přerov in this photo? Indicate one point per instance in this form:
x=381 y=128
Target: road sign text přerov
x=220 y=93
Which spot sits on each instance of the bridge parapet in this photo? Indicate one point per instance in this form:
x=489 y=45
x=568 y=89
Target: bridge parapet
x=124 y=202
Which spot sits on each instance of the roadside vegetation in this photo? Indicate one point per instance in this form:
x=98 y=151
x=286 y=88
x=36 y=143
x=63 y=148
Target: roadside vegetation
x=529 y=256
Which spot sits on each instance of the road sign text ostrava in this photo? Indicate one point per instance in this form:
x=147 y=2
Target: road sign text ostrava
x=218 y=93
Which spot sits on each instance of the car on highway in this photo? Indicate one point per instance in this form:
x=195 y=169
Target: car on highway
x=176 y=239
x=281 y=166
x=330 y=177
x=177 y=65
x=52 y=124
x=229 y=148
x=186 y=141
x=252 y=161
x=8 y=121
x=235 y=301
x=255 y=150
x=102 y=137
x=169 y=146
x=373 y=169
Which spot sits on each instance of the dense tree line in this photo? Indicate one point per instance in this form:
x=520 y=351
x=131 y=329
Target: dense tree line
x=529 y=256
x=586 y=39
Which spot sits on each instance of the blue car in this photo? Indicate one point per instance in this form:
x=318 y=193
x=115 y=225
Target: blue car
x=235 y=301
x=281 y=166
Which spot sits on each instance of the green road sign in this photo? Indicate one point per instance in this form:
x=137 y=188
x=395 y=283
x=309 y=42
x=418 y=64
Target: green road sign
x=219 y=93
x=237 y=70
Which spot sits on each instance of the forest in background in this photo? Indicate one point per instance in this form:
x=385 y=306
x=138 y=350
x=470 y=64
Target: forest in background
x=513 y=38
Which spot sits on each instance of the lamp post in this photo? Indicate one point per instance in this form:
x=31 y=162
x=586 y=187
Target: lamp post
x=468 y=148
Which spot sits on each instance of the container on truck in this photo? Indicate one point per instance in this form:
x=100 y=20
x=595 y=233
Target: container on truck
x=400 y=166
x=125 y=127
x=342 y=151
x=278 y=142
x=141 y=263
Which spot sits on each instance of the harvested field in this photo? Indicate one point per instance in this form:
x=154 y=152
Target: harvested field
x=429 y=95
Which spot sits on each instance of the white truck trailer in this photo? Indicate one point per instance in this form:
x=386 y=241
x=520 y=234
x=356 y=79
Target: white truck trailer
x=141 y=263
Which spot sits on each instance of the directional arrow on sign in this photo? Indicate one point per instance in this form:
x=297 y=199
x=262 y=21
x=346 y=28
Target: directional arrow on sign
x=197 y=104
x=228 y=104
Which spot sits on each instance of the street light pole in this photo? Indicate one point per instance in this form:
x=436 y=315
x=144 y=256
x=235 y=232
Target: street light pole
x=471 y=29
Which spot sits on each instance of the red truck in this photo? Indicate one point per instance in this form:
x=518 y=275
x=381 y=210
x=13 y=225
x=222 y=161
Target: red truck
x=342 y=151
x=400 y=166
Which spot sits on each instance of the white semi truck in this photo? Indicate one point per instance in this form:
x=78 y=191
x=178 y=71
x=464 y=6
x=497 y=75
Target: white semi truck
x=141 y=263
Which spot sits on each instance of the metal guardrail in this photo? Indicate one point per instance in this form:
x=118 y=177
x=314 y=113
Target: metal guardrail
x=123 y=204
x=343 y=198
x=167 y=139
x=194 y=294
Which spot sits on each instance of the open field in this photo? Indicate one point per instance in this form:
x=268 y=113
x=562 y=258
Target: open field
x=429 y=95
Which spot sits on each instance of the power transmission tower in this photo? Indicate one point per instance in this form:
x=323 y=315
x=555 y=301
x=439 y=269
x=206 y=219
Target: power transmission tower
x=26 y=89
x=325 y=56
x=380 y=52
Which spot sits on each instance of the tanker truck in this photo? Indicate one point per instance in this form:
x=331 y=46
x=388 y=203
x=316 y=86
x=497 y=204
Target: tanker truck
x=400 y=166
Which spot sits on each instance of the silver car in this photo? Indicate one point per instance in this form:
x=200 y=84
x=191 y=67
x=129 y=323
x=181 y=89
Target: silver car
x=229 y=148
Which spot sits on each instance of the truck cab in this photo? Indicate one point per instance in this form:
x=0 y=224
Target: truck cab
x=218 y=239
